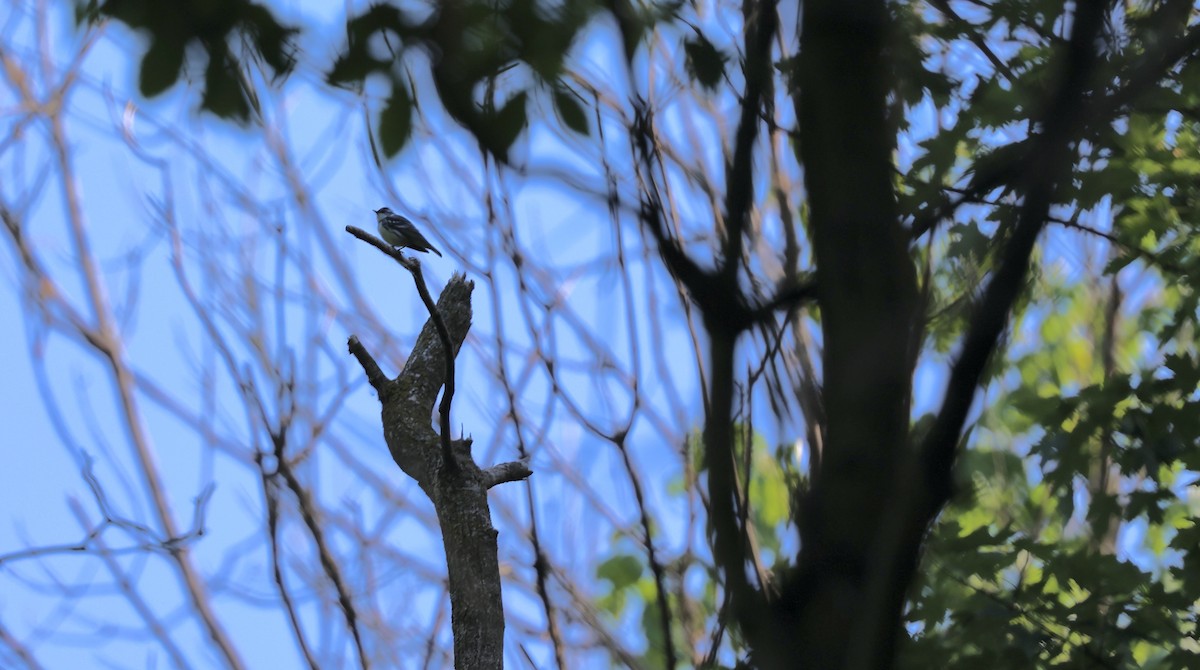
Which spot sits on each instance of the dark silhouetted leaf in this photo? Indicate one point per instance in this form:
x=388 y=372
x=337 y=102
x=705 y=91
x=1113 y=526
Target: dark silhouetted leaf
x=705 y=62
x=356 y=61
x=636 y=19
x=223 y=93
x=212 y=25
x=272 y=40
x=160 y=66
x=352 y=66
x=571 y=111
x=395 y=123
x=503 y=128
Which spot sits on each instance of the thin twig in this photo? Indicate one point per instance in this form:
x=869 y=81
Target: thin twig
x=272 y=503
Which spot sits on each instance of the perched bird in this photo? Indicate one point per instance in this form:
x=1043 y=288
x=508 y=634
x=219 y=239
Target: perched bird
x=399 y=232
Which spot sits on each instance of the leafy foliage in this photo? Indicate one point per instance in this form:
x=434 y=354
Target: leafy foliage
x=471 y=46
x=176 y=29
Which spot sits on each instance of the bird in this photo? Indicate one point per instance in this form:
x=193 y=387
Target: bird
x=399 y=232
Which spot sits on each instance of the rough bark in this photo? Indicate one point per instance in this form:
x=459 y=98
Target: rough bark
x=459 y=492
x=866 y=290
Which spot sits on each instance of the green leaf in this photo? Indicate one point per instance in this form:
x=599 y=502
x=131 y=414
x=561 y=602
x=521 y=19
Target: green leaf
x=621 y=570
x=652 y=629
x=967 y=241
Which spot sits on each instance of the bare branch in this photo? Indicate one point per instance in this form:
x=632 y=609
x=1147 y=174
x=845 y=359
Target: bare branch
x=512 y=471
x=375 y=376
x=414 y=267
